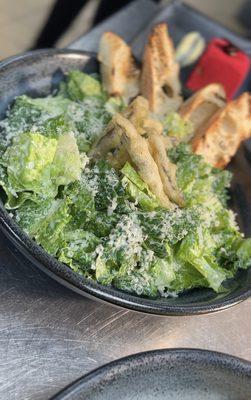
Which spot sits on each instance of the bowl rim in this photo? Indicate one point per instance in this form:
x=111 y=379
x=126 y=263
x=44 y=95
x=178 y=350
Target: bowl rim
x=112 y=369
x=46 y=52
x=50 y=265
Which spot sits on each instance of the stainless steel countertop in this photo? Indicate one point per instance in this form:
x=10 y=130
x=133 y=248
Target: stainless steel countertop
x=50 y=336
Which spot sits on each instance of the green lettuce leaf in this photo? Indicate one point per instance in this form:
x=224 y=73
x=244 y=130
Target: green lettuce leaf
x=176 y=276
x=45 y=222
x=78 y=251
x=56 y=126
x=198 y=181
x=109 y=190
x=102 y=183
x=13 y=199
x=37 y=165
x=114 y=105
x=80 y=85
x=100 y=223
x=90 y=119
x=163 y=270
x=197 y=249
x=137 y=189
x=20 y=118
x=162 y=227
x=187 y=277
x=83 y=206
x=150 y=277
x=43 y=115
x=67 y=164
x=243 y=253
x=94 y=198
x=138 y=280
x=29 y=161
x=177 y=127
x=50 y=105
x=122 y=248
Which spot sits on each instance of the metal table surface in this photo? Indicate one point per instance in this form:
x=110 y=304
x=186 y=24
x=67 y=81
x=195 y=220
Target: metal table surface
x=50 y=336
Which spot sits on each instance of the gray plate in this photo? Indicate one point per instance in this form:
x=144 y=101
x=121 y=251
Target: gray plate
x=178 y=374
x=37 y=74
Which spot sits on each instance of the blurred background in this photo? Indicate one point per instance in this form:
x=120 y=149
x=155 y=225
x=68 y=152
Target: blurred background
x=27 y=24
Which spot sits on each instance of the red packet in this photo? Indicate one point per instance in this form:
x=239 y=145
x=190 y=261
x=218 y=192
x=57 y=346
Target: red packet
x=222 y=63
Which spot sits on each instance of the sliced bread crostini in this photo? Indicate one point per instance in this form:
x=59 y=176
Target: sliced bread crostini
x=202 y=105
x=119 y=72
x=219 y=139
x=160 y=83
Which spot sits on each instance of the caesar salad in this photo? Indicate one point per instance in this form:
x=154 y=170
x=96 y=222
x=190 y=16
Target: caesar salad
x=120 y=179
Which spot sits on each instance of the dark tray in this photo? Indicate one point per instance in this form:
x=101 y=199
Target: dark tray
x=182 y=19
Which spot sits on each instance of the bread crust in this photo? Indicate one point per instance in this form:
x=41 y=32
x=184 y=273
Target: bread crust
x=219 y=139
x=160 y=73
x=119 y=72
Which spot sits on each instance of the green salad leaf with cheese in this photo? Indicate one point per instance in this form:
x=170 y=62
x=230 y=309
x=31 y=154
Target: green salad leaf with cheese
x=105 y=223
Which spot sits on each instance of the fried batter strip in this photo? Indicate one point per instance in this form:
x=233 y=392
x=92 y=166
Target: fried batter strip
x=138 y=150
x=167 y=169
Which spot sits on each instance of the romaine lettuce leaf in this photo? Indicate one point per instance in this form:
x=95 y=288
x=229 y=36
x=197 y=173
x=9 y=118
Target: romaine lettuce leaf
x=186 y=277
x=137 y=189
x=45 y=222
x=197 y=249
x=39 y=165
x=243 y=253
x=150 y=277
x=177 y=127
x=197 y=180
x=80 y=85
x=110 y=191
x=100 y=223
x=43 y=115
x=235 y=254
x=114 y=105
x=56 y=126
x=163 y=270
x=67 y=164
x=11 y=199
x=83 y=206
x=50 y=105
x=176 y=275
x=89 y=118
x=162 y=227
x=103 y=185
x=78 y=251
x=94 y=198
x=122 y=248
x=29 y=161
x=134 y=278
x=3 y=145
x=105 y=270
x=20 y=118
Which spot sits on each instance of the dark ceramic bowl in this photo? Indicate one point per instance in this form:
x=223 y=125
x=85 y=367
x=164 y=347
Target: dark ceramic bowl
x=178 y=374
x=38 y=74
